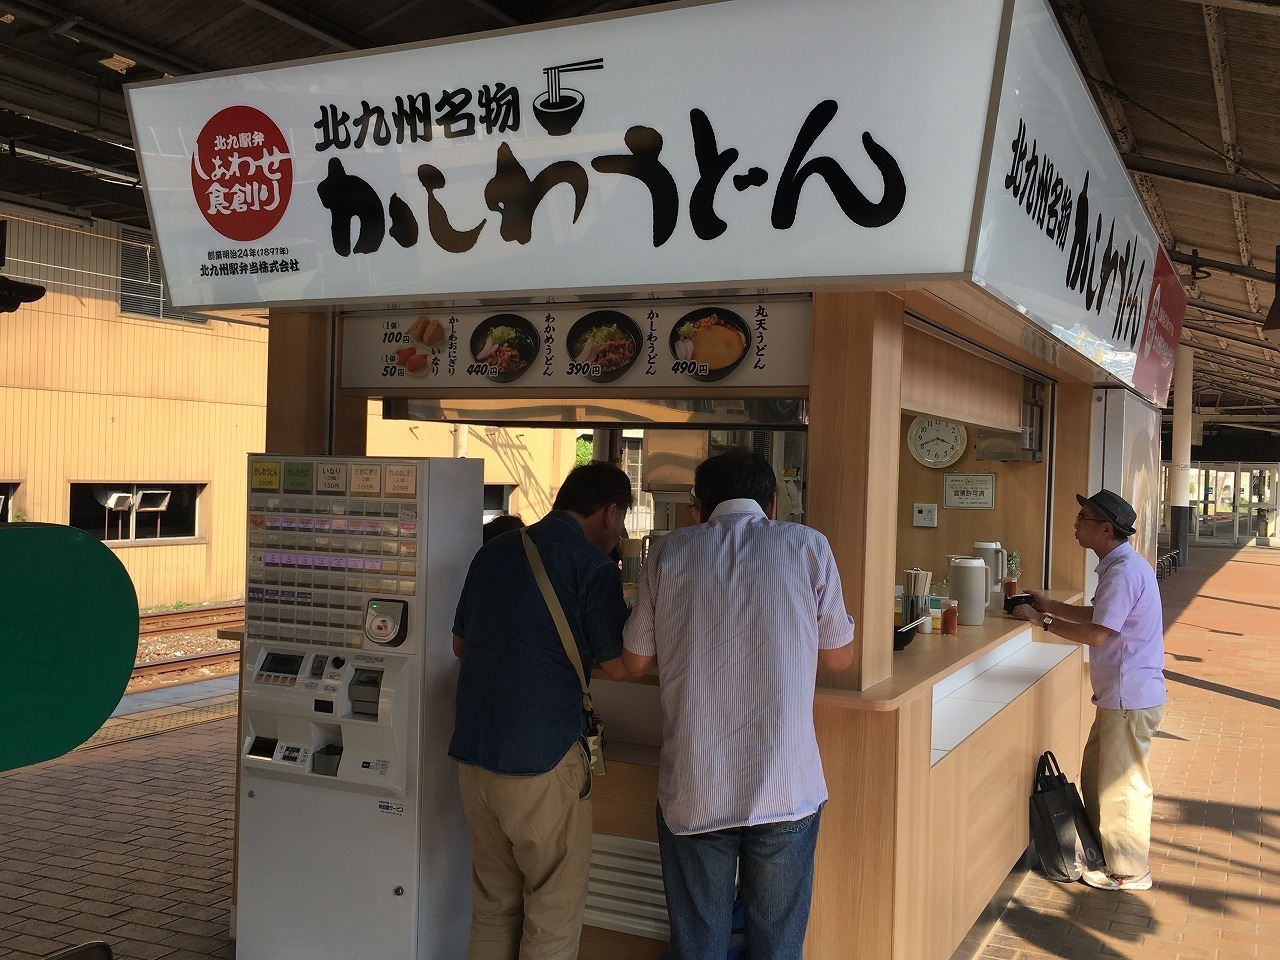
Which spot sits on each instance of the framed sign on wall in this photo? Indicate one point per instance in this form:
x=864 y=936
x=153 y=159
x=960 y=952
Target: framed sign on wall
x=969 y=491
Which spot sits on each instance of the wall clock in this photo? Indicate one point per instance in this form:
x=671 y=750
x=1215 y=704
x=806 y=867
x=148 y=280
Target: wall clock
x=936 y=443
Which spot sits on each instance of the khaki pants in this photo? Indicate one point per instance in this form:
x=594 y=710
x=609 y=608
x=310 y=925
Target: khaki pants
x=530 y=852
x=1116 y=785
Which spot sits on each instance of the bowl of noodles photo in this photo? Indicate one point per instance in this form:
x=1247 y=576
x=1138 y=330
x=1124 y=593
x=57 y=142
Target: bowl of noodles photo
x=713 y=340
x=507 y=343
x=604 y=344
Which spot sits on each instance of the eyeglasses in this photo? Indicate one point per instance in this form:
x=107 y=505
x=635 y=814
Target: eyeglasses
x=1081 y=518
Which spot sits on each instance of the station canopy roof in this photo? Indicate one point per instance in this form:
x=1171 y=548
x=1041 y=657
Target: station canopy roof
x=1188 y=91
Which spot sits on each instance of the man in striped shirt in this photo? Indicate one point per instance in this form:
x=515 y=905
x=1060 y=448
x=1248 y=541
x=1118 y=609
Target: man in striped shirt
x=736 y=613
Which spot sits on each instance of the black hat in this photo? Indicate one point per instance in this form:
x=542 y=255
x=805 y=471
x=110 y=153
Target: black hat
x=1114 y=509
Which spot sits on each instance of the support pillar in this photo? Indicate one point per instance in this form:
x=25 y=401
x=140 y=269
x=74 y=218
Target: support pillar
x=305 y=412
x=1180 y=457
x=855 y=415
x=606 y=445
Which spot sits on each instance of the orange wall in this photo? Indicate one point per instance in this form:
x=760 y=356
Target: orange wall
x=88 y=394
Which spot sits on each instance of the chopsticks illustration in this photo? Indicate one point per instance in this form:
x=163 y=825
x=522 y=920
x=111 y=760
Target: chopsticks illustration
x=553 y=74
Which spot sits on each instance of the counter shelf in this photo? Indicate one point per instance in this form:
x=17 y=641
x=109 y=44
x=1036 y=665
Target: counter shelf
x=969 y=677
x=932 y=658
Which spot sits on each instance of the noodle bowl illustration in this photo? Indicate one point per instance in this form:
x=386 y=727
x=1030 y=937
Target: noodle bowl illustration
x=558 y=108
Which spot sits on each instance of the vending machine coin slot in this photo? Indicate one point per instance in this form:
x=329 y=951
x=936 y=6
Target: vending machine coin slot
x=318 y=663
x=364 y=691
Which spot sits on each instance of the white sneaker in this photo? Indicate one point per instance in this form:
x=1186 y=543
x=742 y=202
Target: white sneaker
x=1107 y=881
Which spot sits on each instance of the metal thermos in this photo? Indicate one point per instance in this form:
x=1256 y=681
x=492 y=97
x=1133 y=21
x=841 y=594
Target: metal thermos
x=970 y=585
x=997 y=561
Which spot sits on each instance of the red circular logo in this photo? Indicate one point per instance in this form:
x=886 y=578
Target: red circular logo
x=242 y=173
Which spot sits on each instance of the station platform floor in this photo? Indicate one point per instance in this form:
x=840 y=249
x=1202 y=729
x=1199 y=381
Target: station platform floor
x=129 y=838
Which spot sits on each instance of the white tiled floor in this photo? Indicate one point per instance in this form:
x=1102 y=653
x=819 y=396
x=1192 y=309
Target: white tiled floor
x=183 y=694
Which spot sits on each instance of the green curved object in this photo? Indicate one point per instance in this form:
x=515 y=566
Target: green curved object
x=68 y=639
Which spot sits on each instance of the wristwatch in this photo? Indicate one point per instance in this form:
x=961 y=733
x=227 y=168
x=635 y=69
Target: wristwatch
x=1046 y=621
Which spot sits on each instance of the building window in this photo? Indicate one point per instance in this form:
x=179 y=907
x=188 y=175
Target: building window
x=142 y=291
x=135 y=511
x=640 y=516
x=7 y=491
x=497 y=499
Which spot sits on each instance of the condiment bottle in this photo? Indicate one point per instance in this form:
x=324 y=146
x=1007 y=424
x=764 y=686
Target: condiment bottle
x=950 y=617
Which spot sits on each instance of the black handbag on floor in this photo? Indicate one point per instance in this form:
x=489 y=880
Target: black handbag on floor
x=1059 y=823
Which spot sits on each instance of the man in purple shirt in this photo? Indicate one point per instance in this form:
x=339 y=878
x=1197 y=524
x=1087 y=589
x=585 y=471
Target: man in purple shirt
x=1125 y=628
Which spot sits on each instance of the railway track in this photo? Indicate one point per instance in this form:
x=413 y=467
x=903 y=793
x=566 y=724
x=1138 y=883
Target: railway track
x=161 y=633
x=177 y=621
x=186 y=670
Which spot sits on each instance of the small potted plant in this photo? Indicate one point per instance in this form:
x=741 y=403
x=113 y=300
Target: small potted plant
x=1013 y=566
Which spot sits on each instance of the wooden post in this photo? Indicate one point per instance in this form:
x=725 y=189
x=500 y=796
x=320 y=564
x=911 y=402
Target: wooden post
x=854 y=426
x=305 y=412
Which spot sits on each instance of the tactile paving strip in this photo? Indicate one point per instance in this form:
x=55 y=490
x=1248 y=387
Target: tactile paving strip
x=159 y=721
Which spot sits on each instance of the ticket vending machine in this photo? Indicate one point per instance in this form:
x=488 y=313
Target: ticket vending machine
x=352 y=842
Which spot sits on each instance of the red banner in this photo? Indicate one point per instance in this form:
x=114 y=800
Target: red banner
x=1161 y=332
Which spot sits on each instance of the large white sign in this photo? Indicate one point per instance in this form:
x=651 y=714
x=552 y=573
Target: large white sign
x=636 y=349
x=1064 y=237
x=751 y=142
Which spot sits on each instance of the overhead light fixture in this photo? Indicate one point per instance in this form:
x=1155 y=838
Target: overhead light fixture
x=1271 y=325
x=118 y=63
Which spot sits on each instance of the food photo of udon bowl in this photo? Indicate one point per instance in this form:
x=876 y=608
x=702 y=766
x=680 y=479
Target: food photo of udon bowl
x=507 y=343
x=606 y=343
x=710 y=337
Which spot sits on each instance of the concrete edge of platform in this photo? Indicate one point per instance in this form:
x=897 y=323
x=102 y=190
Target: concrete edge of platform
x=148 y=723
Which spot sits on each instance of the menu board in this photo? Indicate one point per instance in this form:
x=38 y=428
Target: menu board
x=627 y=348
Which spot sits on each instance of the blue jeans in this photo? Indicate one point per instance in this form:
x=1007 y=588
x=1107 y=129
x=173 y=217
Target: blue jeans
x=775 y=861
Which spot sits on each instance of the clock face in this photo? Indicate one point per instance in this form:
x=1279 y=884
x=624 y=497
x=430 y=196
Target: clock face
x=936 y=443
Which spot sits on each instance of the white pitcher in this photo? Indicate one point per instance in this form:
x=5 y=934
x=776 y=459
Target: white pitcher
x=997 y=560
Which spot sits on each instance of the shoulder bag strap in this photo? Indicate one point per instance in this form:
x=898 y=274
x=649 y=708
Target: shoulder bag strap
x=557 y=613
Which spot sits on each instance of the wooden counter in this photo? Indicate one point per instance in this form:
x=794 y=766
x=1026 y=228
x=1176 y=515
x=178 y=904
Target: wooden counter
x=929 y=659
x=929 y=785
x=928 y=773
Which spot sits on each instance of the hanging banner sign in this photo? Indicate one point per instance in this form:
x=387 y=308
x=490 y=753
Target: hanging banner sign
x=751 y=142
x=1064 y=237
x=1161 y=332
x=631 y=348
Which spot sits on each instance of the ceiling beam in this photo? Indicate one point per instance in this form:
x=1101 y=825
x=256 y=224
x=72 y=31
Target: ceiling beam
x=1226 y=335
x=15 y=170
x=1220 y=67
x=48 y=16
x=1268 y=8
x=1225 y=385
x=1076 y=24
x=1194 y=259
x=494 y=12
x=67 y=102
x=299 y=19
x=1225 y=358
x=1267 y=369
x=1234 y=183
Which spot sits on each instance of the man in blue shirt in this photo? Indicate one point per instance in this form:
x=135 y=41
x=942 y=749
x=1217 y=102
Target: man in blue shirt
x=523 y=772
